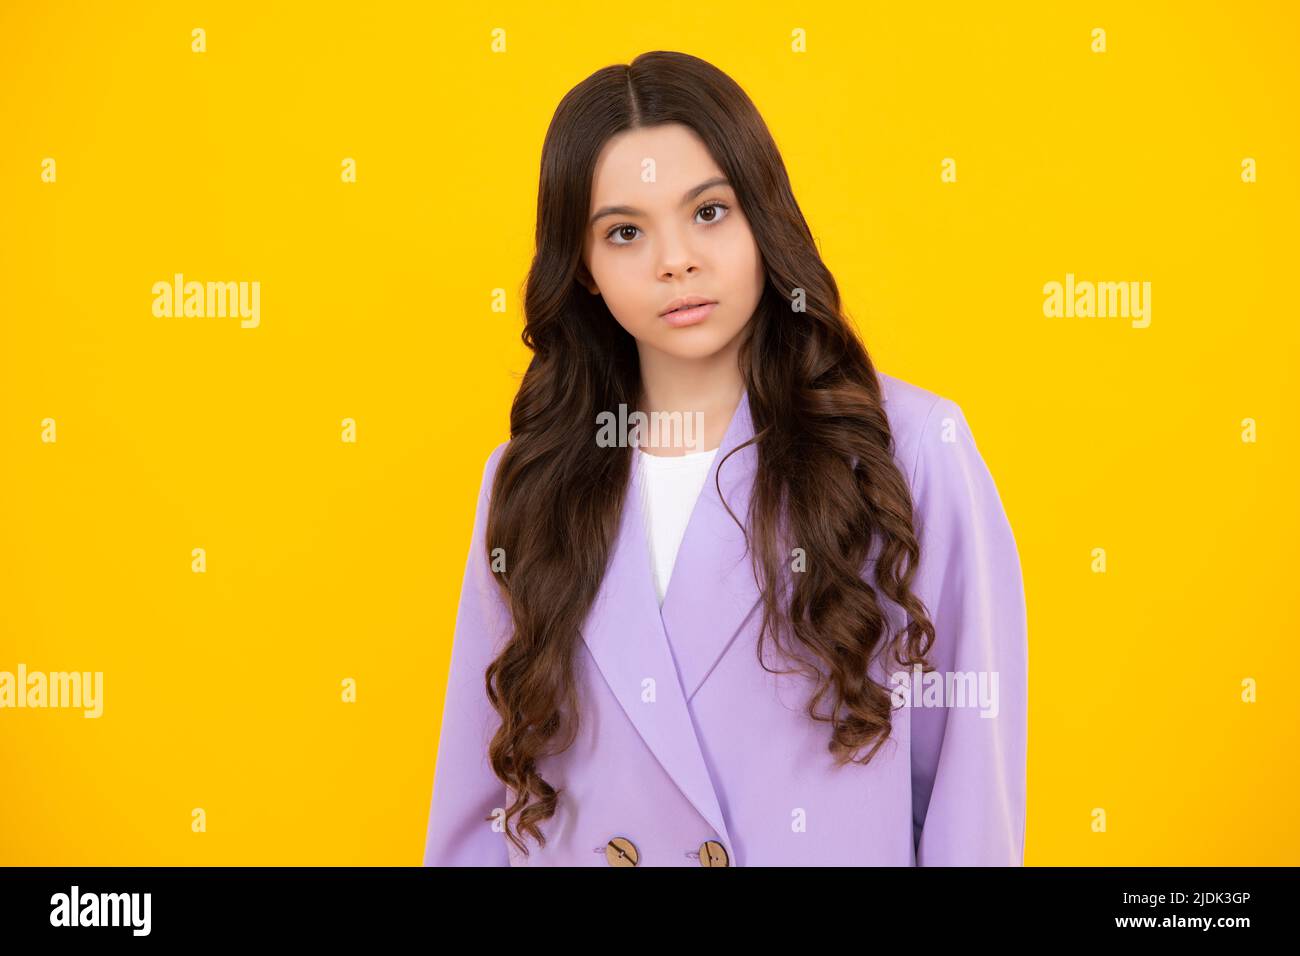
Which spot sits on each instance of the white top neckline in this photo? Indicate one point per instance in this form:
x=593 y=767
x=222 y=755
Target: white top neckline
x=670 y=487
x=690 y=458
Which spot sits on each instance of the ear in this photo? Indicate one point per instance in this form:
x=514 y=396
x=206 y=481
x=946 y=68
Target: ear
x=585 y=279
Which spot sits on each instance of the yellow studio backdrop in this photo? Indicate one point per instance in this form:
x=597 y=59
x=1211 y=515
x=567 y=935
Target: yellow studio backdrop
x=270 y=603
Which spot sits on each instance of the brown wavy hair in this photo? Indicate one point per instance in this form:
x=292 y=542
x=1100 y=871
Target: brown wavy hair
x=826 y=477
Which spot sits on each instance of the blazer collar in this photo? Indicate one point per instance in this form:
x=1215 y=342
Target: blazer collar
x=711 y=593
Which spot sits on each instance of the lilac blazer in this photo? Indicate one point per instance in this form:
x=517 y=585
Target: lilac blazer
x=690 y=754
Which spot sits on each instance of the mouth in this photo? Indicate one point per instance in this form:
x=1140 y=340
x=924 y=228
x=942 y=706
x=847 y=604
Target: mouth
x=690 y=312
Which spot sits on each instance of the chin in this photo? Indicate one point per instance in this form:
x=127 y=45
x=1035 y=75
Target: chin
x=696 y=346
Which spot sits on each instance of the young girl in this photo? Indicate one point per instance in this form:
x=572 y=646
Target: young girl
x=787 y=630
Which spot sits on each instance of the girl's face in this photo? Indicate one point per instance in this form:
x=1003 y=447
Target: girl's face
x=664 y=225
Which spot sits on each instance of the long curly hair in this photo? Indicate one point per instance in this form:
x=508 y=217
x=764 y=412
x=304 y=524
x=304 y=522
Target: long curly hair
x=826 y=479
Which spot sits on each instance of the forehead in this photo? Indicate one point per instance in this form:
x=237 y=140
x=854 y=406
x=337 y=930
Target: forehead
x=679 y=157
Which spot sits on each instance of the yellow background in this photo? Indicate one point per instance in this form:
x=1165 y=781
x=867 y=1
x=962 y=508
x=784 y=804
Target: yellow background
x=328 y=560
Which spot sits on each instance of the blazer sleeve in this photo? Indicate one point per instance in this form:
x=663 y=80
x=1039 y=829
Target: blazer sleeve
x=968 y=769
x=465 y=790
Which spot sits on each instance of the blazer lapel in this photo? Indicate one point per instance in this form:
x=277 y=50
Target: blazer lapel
x=710 y=594
x=712 y=590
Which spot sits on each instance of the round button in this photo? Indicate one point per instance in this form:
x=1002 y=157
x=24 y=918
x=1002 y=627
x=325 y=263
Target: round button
x=621 y=851
x=713 y=853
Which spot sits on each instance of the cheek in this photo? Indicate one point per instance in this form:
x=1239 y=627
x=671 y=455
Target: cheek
x=745 y=265
x=622 y=288
x=608 y=266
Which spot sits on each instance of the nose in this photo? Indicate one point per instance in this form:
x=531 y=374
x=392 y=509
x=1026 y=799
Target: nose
x=676 y=258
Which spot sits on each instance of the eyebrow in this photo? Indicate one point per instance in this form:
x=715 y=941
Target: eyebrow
x=604 y=211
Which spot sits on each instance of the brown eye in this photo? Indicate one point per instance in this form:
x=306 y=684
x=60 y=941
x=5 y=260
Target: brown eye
x=713 y=211
x=618 y=235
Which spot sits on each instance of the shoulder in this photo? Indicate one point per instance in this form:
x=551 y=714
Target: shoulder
x=490 y=465
x=954 y=493
x=489 y=472
x=494 y=457
x=922 y=423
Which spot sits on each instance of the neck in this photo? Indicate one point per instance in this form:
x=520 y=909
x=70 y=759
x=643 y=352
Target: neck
x=710 y=386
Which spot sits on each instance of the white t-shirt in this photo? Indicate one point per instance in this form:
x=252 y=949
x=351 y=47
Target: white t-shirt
x=670 y=486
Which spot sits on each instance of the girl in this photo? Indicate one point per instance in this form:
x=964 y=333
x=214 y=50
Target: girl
x=789 y=629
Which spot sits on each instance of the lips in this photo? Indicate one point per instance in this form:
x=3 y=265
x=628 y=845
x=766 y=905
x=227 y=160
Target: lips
x=686 y=302
x=688 y=315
